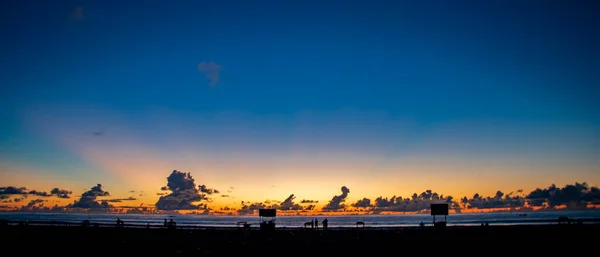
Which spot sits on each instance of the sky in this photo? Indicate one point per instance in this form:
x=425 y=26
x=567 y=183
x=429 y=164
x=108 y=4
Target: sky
x=264 y=99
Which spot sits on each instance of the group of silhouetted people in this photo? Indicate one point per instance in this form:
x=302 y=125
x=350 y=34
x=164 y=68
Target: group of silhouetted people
x=170 y=224
x=314 y=224
x=120 y=223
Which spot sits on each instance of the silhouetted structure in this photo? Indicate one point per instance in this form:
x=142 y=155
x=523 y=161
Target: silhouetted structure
x=439 y=209
x=360 y=223
x=267 y=218
x=564 y=220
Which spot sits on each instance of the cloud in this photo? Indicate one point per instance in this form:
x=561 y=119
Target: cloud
x=336 y=203
x=61 y=193
x=118 y=200
x=77 y=13
x=308 y=201
x=184 y=193
x=285 y=205
x=363 y=203
x=5 y=192
x=212 y=72
x=288 y=204
x=575 y=196
x=88 y=199
x=208 y=191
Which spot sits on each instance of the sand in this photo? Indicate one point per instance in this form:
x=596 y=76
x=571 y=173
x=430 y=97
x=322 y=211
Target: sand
x=452 y=240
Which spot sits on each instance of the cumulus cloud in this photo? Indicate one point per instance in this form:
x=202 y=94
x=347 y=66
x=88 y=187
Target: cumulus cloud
x=88 y=199
x=416 y=202
x=363 y=203
x=208 y=191
x=212 y=72
x=337 y=202
x=285 y=205
x=308 y=201
x=575 y=196
x=61 y=193
x=184 y=193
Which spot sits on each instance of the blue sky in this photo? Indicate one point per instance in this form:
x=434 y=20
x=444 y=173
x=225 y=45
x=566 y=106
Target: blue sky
x=509 y=82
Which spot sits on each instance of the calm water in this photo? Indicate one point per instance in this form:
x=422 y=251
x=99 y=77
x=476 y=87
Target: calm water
x=502 y=218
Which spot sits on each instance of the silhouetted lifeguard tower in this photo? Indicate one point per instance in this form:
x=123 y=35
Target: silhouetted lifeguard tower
x=439 y=209
x=267 y=219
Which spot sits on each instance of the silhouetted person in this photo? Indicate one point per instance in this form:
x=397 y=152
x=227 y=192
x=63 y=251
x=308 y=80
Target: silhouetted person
x=118 y=222
x=316 y=224
x=422 y=225
x=165 y=224
x=487 y=224
x=325 y=224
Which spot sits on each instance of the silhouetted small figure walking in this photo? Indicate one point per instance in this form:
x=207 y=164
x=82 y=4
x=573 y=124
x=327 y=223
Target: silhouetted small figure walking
x=165 y=223
x=422 y=225
x=325 y=224
x=316 y=224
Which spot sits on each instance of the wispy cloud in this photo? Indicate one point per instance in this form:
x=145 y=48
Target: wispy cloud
x=212 y=72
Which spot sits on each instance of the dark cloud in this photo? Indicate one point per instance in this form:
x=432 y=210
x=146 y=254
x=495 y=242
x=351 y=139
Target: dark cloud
x=212 y=72
x=364 y=203
x=118 y=200
x=61 y=193
x=499 y=200
x=131 y=191
x=337 y=202
x=11 y=190
x=288 y=204
x=251 y=208
x=225 y=196
x=208 y=191
x=417 y=202
x=88 y=199
x=308 y=201
x=184 y=193
x=285 y=205
x=575 y=196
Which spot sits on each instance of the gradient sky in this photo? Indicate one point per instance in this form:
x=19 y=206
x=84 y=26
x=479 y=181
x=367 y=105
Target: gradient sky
x=273 y=98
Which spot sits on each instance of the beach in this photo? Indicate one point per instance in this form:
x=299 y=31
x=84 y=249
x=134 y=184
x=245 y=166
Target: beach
x=50 y=239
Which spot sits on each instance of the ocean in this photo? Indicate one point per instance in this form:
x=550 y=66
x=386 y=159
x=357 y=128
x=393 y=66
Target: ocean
x=340 y=221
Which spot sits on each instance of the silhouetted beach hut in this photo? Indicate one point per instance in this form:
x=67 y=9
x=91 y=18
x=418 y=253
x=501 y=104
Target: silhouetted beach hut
x=267 y=218
x=439 y=209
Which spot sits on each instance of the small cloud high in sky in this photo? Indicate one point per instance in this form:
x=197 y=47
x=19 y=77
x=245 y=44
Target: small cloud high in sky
x=216 y=107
